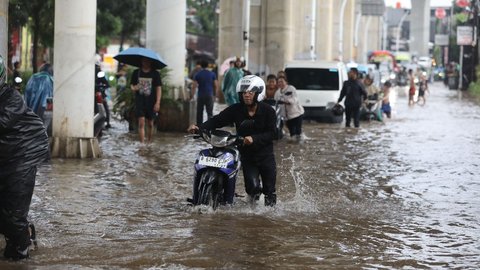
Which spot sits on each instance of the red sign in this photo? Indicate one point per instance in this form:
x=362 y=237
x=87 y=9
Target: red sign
x=462 y=3
x=440 y=13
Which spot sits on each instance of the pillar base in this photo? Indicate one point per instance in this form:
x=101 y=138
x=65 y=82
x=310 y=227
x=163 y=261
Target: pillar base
x=75 y=148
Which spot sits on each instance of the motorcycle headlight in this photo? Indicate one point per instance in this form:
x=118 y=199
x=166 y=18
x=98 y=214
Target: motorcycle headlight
x=219 y=141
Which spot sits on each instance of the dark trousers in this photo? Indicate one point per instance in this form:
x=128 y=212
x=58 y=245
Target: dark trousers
x=207 y=102
x=16 y=190
x=256 y=168
x=352 y=111
x=295 y=125
x=107 y=111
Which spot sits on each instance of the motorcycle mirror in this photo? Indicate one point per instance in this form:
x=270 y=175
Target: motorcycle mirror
x=18 y=80
x=101 y=74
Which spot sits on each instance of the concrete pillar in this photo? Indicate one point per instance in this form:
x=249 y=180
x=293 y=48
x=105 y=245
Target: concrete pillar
x=349 y=31
x=257 y=38
x=166 y=26
x=325 y=35
x=280 y=32
x=230 y=36
x=420 y=27
x=73 y=104
x=4 y=29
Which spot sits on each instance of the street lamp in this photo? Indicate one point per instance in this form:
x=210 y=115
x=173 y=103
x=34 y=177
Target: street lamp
x=399 y=27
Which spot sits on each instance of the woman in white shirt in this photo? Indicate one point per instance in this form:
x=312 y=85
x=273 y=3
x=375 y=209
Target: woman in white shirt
x=293 y=111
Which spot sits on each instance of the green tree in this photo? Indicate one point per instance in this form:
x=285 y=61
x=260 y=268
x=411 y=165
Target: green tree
x=40 y=14
x=121 y=19
x=201 y=21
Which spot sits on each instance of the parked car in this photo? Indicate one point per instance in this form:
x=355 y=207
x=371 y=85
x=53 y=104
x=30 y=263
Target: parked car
x=425 y=61
x=318 y=85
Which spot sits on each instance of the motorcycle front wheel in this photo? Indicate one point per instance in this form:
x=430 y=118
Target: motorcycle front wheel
x=210 y=189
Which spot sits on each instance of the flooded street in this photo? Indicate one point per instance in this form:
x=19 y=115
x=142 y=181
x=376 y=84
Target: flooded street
x=400 y=194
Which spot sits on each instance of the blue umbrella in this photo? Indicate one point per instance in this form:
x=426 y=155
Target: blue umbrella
x=133 y=56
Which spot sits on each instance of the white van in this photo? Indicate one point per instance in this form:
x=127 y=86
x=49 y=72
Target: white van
x=318 y=85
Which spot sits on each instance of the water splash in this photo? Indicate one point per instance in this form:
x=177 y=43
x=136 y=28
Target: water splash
x=303 y=200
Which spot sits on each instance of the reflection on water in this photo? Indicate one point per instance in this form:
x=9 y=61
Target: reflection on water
x=403 y=194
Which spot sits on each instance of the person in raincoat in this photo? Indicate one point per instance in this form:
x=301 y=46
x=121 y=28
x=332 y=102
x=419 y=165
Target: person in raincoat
x=23 y=146
x=229 y=83
x=38 y=89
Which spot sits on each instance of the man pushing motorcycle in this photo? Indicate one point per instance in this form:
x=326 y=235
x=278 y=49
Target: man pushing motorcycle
x=255 y=122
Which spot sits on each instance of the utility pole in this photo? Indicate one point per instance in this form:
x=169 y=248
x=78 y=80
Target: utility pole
x=340 y=38
x=246 y=30
x=399 y=27
x=313 y=29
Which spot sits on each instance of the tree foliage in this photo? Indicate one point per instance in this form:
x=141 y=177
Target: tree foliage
x=120 y=19
x=116 y=19
x=202 y=18
x=38 y=15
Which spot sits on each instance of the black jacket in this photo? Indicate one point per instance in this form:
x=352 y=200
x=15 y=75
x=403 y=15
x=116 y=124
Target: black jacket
x=261 y=127
x=23 y=139
x=353 y=91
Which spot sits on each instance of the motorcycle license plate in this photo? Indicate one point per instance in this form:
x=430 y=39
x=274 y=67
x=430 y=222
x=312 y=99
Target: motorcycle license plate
x=212 y=162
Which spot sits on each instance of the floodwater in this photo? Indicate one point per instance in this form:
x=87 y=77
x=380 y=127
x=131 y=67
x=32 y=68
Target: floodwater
x=404 y=194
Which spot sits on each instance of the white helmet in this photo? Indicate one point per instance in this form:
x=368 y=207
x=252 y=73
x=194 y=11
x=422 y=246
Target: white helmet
x=252 y=83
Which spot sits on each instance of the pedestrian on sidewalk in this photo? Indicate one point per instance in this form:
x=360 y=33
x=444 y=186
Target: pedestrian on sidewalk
x=207 y=84
x=23 y=146
x=147 y=85
x=355 y=94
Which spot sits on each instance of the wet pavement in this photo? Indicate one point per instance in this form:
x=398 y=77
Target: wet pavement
x=403 y=194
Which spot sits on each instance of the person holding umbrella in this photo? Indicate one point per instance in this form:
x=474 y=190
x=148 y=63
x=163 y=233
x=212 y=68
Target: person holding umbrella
x=147 y=85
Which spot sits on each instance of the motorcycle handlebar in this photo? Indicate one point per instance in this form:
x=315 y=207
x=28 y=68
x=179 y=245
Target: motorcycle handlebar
x=198 y=135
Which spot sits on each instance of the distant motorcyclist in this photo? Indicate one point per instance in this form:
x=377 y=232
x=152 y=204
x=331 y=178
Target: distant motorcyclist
x=101 y=85
x=23 y=146
x=255 y=121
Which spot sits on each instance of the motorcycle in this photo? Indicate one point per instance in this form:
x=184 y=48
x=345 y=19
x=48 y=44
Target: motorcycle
x=17 y=84
x=100 y=112
x=371 y=109
x=279 y=122
x=216 y=168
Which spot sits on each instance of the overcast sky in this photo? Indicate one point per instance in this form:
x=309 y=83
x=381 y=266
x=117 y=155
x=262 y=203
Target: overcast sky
x=407 y=3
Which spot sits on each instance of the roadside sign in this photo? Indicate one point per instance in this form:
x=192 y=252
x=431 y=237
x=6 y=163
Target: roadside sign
x=464 y=35
x=441 y=40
